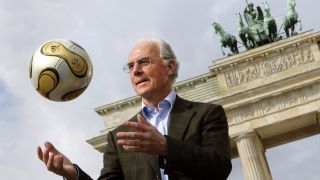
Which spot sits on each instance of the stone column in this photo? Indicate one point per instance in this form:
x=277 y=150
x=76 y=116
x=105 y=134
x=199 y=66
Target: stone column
x=251 y=153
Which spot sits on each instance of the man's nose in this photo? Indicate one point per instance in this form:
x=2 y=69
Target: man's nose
x=136 y=69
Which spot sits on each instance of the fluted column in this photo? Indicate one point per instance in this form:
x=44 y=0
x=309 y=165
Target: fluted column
x=251 y=153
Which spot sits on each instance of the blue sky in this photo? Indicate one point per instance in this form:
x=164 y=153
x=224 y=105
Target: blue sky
x=107 y=30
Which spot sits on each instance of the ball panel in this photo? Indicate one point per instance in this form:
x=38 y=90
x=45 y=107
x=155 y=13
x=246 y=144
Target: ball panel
x=41 y=63
x=48 y=81
x=72 y=94
x=67 y=82
x=76 y=63
x=77 y=49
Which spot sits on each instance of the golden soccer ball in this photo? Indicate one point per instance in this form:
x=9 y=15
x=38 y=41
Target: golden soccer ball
x=60 y=70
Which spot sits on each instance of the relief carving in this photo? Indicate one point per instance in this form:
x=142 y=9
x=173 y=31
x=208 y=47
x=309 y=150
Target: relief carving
x=312 y=92
x=273 y=104
x=246 y=114
x=269 y=106
x=235 y=78
x=290 y=99
x=269 y=66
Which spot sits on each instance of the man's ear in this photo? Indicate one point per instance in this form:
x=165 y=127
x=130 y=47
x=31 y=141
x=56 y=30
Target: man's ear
x=171 y=67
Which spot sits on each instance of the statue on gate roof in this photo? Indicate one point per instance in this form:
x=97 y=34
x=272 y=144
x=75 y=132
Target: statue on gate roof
x=260 y=27
x=254 y=18
x=291 y=19
x=269 y=23
x=226 y=40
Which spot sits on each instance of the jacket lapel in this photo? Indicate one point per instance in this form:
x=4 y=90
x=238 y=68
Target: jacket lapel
x=180 y=118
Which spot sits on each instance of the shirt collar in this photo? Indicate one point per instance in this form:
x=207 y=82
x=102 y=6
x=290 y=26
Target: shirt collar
x=171 y=97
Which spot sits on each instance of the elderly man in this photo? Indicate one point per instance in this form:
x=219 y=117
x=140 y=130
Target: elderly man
x=170 y=138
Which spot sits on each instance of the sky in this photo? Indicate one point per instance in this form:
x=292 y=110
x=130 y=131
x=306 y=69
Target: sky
x=108 y=30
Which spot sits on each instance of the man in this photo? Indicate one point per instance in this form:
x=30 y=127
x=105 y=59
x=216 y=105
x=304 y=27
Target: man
x=170 y=138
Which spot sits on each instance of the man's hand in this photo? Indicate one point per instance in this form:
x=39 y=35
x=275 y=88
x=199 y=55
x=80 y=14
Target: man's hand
x=146 y=138
x=57 y=162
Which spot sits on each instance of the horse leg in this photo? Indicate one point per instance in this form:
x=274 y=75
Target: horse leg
x=253 y=41
x=244 y=40
x=286 y=26
x=292 y=30
x=274 y=30
x=234 y=46
x=299 y=20
x=236 y=49
x=286 y=30
x=222 y=50
x=266 y=29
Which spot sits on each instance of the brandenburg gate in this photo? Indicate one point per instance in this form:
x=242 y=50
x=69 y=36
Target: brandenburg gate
x=271 y=95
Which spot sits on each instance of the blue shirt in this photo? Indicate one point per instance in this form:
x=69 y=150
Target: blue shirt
x=160 y=118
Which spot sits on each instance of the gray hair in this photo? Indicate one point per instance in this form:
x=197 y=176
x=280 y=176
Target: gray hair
x=166 y=53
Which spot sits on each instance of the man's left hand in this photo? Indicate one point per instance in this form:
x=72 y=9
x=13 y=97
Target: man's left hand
x=146 y=138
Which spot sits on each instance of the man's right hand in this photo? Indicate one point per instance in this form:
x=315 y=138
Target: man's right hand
x=56 y=162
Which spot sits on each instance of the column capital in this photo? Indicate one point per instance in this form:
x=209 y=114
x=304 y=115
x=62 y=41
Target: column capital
x=247 y=134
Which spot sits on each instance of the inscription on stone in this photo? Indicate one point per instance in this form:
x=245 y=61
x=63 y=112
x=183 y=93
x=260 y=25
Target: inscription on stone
x=269 y=66
x=274 y=104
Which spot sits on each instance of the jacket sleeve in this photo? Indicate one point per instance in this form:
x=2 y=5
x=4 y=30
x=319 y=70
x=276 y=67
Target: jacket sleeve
x=81 y=174
x=205 y=158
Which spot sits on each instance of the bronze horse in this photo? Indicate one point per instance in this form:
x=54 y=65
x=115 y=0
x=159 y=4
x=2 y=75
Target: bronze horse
x=226 y=40
x=245 y=34
x=269 y=22
x=291 y=19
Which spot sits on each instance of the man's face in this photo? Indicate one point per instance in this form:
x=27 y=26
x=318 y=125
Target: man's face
x=154 y=80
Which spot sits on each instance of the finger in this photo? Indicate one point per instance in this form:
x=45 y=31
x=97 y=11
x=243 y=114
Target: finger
x=142 y=120
x=130 y=142
x=40 y=154
x=133 y=148
x=134 y=125
x=130 y=135
x=45 y=155
x=50 y=162
x=51 y=148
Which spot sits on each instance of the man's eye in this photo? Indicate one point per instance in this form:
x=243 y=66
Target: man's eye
x=144 y=62
x=130 y=66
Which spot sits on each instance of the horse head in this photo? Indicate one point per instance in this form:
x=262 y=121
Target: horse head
x=217 y=27
x=266 y=12
x=266 y=8
x=291 y=4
